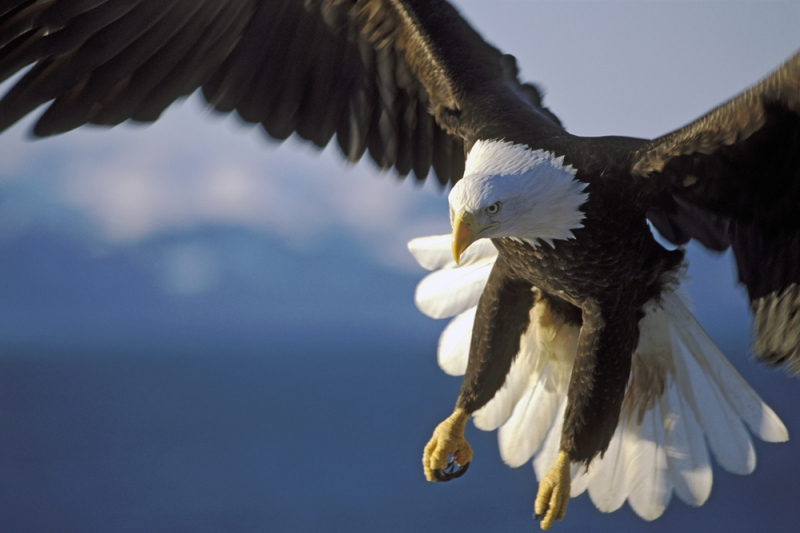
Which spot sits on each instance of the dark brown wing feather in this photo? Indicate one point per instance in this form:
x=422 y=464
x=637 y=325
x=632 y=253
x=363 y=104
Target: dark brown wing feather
x=728 y=124
x=370 y=72
x=732 y=179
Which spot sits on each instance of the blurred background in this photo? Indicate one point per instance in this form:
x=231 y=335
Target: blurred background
x=204 y=331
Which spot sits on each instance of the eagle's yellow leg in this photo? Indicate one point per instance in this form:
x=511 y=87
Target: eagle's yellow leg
x=553 y=495
x=448 y=439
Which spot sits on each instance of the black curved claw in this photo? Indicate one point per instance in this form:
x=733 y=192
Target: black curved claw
x=451 y=471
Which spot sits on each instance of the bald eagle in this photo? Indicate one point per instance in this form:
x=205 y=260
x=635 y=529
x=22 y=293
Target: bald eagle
x=578 y=325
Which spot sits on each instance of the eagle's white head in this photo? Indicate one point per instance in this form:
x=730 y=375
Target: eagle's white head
x=510 y=190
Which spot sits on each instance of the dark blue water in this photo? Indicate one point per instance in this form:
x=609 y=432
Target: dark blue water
x=295 y=395
x=275 y=437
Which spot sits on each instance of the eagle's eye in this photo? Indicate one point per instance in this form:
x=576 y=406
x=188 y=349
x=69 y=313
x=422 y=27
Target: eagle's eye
x=493 y=209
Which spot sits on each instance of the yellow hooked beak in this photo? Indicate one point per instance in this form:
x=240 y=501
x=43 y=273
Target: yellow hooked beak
x=463 y=234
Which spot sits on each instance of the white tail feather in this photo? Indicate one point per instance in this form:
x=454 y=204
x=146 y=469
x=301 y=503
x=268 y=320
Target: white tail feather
x=452 y=288
x=465 y=287
x=758 y=416
x=647 y=475
x=659 y=444
x=454 y=343
x=495 y=413
x=608 y=488
x=727 y=437
x=435 y=252
x=689 y=465
x=520 y=437
x=432 y=253
x=533 y=390
x=548 y=453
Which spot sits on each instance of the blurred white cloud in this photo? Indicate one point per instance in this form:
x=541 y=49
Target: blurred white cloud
x=190 y=268
x=186 y=171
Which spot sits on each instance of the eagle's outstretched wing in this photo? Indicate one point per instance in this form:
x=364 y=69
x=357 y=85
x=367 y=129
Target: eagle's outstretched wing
x=375 y=73
x=733 y=180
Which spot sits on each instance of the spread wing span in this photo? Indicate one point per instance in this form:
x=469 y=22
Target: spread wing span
x=367 y=71
x=733 y=181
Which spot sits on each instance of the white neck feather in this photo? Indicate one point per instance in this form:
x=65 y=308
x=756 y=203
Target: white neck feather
x=541 y=197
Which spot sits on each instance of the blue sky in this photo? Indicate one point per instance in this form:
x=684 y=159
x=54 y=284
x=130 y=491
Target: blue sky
x=195 y=225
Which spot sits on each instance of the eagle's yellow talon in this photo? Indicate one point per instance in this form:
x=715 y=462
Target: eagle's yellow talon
x=448 y=439
x=553 y=496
